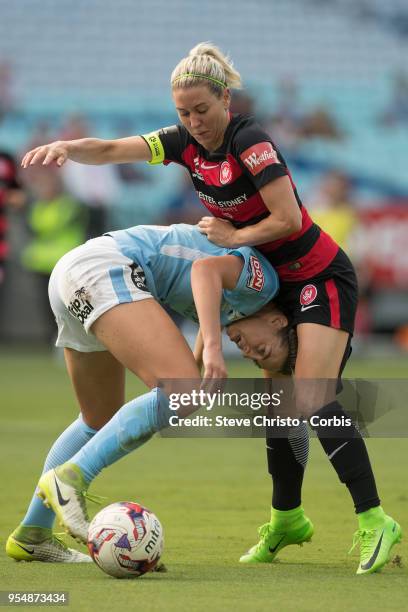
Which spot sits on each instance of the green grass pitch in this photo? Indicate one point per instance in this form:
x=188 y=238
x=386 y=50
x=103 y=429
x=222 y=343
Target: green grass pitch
x=210 y=495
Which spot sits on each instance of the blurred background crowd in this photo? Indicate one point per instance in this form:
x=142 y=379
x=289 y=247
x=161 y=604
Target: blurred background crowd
x=328 y=79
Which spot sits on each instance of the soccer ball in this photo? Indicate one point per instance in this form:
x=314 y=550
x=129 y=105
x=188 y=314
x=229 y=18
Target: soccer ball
x=125 y=540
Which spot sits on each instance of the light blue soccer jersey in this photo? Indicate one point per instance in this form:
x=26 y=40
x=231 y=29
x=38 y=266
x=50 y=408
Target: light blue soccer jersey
x=166 y=254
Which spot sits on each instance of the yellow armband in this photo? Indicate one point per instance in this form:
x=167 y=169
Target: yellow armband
x=155 y=146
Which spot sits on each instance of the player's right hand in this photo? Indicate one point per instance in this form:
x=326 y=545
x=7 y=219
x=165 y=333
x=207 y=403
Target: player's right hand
x=46 y=154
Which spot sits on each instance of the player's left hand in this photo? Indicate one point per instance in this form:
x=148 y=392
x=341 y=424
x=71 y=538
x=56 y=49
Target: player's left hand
x=219 y=231
x=214 y=364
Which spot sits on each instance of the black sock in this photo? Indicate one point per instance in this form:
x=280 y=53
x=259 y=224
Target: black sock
x=287 y=458
x=348 y=454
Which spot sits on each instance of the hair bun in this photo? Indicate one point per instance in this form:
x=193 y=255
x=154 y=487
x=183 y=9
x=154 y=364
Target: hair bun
x=209 y=61
x=204 y=48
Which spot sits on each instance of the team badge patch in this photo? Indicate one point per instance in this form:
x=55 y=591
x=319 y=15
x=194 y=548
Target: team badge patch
x=259 y=156
x=225 y=173
x=308 y=295
x=256 y=278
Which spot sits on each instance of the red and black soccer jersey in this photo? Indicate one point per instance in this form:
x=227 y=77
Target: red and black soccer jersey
x=228 y=183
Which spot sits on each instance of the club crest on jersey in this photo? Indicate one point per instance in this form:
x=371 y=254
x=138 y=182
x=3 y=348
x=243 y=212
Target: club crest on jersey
x=225 y=173
x=256 y=278
x=259 y=156
x=308 y=295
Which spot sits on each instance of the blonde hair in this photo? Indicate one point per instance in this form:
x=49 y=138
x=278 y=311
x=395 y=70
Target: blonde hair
x=206 y=65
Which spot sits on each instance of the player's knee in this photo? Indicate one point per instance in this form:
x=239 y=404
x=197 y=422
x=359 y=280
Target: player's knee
x=313 y=395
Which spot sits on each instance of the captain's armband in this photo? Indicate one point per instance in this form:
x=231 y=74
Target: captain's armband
x=155 y=146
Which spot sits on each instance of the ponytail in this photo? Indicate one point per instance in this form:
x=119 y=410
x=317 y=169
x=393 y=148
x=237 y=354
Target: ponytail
x=206 y=65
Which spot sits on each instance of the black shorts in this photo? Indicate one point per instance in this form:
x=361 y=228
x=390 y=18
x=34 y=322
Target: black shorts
x=329 y=298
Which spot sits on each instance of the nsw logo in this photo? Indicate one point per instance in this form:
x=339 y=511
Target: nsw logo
x=225 y=173
x=256 y=278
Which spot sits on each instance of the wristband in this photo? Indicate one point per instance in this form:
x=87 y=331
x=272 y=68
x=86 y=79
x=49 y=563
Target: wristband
x=155 y=146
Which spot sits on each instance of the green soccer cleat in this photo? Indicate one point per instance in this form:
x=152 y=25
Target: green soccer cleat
x=40 y=544
x=276 y=535
x=376 y=545
x=64 y=489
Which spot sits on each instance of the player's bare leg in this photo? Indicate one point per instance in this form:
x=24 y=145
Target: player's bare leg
x=98 y=380
x=100 y=392
x=143 y=338
x=146 y=341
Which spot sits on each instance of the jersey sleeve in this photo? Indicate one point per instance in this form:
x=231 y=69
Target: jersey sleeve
x=257 y=155
x=166 y=145
x=257 y=285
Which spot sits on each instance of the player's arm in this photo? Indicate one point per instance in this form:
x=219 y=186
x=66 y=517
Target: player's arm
x=209 y=277
x=285 y=219
x=90 y=151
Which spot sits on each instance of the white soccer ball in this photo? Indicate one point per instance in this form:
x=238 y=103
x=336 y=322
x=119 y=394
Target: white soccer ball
x=125 y=540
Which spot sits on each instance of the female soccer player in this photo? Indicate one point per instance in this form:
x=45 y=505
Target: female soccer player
x=243 y=180
x=106 y=297
x=283 y=529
